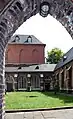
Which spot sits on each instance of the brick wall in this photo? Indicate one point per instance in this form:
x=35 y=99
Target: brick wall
x=17 y=53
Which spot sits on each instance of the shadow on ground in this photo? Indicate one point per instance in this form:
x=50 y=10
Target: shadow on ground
x=60 y=96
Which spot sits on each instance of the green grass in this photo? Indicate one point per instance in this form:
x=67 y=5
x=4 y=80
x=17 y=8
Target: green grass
x=32 y=100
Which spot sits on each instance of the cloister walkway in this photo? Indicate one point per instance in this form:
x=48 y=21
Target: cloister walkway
x=53 y=114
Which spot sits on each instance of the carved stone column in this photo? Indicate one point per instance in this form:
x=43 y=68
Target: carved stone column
x=2 y=82
x=16 y=13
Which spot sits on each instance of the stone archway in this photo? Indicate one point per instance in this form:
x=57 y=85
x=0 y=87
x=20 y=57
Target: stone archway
x=14 y=12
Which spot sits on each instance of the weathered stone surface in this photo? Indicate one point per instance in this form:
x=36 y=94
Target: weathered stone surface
x=14 y=12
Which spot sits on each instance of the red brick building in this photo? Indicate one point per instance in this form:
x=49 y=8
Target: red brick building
x=25 y=65
x=25 y=49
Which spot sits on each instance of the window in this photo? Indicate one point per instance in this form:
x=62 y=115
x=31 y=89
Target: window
x=17 y=38
x=22 y=82
x=37 y=67
x=35 y=82
x=35 y=55
x=21 y=56
x=29 y=39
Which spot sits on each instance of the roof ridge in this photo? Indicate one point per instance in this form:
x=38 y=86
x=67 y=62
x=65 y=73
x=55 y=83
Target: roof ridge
x=64 y=62
x=23 y=38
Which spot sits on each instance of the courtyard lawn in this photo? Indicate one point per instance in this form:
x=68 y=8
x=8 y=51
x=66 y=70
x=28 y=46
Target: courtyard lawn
x=32 y=100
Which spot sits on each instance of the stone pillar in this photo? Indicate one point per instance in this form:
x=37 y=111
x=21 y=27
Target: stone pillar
x=2 y=83
x=60 y=80
x=12 y=17
x=3 y=43
x=72 y=79
x=41 y=82
x=65 y=78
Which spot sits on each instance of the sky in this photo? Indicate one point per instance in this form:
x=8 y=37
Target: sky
x=49 y=31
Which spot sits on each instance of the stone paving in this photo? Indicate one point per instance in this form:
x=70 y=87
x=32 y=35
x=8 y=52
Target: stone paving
x=53 y=114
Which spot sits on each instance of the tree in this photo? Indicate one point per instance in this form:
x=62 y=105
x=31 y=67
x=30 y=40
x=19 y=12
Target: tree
x=54 y=56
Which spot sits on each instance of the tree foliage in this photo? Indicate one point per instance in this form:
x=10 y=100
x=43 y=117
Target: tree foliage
x=54 y=55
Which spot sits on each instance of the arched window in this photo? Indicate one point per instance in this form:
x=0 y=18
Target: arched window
x=29 y=39
x=35 y=55
x=21 y=56
x=22 y=83
x=35 y=82
x=10 y=82
x=17 y=38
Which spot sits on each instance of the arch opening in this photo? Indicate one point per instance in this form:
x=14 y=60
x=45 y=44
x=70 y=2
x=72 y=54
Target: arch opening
x=17 y=12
